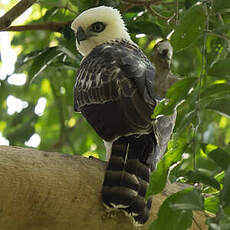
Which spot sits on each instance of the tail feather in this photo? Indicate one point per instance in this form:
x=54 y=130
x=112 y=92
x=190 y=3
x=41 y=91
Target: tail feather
x=134 y=166
x=143 y=187
x=143 y=216
x=115 y=163
x=127 y=176
x=137 y=206
x=118 y=197
x=116 y=178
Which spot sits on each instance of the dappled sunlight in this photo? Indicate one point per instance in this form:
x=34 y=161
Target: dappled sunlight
x=17 y=79
x=3 y=140
x=15 y=105
x=40 y=107
x=34 y=141
x=8 y=56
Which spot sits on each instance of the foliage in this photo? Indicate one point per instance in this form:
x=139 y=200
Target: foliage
x=199 y=152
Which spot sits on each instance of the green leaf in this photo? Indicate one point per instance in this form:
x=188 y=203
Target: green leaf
x=221 y=157
x=68 y=52
x=145 y=27
x=227 y=210
x=215 y=90
x=188 y=199
x=190 y=28
x=175 y=220
x=50 y=13
x=221 y=4
x=211 y=204
x=83 y=5
x=220 y=222
x=50 y=3
x=41 y=62
x=186 y=121
x=221 y=106
x=183 y=86
x=176 y=93
x=22 y=132
x=24 y=59
x=197 y=177
x=177 y=209
x=220 y=69
x=221 y=29
x=225 y=192
x=159 y=176
x=189 y=3
x=65 y=65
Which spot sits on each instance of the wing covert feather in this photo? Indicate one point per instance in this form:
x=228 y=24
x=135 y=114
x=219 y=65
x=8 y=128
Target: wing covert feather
x=112 y=70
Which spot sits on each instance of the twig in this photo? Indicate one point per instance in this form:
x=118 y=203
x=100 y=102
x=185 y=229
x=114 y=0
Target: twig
x=13 y=13
x=203 y=75
x=155 y=2
x=226 y=38
x=126 y=7
x=69 y=9
x=50 y=26
x=141 y=2
x=196 y=223
x=64 y=135
x=168 y=3
x=177 y=11
x=97 y=2
x=155 y=13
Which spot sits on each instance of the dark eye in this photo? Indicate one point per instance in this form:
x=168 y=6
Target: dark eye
x=98 y=27
x=164 y=52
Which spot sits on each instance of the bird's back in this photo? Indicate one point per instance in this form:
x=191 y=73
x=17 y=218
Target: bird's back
x=114 y=90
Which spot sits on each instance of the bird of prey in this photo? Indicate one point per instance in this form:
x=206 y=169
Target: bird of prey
x=115 y=92
x=161 y=58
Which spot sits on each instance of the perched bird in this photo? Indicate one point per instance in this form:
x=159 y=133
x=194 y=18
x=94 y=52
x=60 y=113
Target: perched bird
x=161 y=58
x=114 y=91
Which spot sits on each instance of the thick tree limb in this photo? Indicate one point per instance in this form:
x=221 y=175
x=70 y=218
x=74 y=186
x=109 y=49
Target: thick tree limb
x=13 y=13
x=53 y=191
x=50 y=26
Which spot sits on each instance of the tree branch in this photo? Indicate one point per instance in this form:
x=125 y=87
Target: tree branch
x=147 y=4
x=155 y=13
x=13 y=13
x=52 y=191
x=50 y=26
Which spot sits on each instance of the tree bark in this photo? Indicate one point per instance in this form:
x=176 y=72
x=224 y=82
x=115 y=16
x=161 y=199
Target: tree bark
x=13 y=13
x=53 y=191
x=49 y=26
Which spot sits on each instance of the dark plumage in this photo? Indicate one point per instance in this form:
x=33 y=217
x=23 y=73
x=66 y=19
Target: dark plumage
x=115 y=92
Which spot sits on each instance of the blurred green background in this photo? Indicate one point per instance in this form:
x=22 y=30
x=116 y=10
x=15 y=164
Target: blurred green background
x=37 y=75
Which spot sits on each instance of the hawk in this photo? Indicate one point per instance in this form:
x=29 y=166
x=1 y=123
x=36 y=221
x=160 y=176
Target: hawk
x=115 y=92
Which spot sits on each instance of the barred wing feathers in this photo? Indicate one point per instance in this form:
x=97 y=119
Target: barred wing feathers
x=114 y=90
x=111 y=70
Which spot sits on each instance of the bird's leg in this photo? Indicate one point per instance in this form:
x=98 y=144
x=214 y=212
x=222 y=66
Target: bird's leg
x=108 y=147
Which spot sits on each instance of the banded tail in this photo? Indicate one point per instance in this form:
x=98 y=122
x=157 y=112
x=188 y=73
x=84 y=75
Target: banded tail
x=127 y=176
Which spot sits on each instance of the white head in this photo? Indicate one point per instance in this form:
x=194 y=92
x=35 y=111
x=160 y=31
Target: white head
x=165 y=49
x=96 y=26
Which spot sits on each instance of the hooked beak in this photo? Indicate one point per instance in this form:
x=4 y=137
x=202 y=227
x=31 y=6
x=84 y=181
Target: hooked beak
x=166 y=56
x=80 y=35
